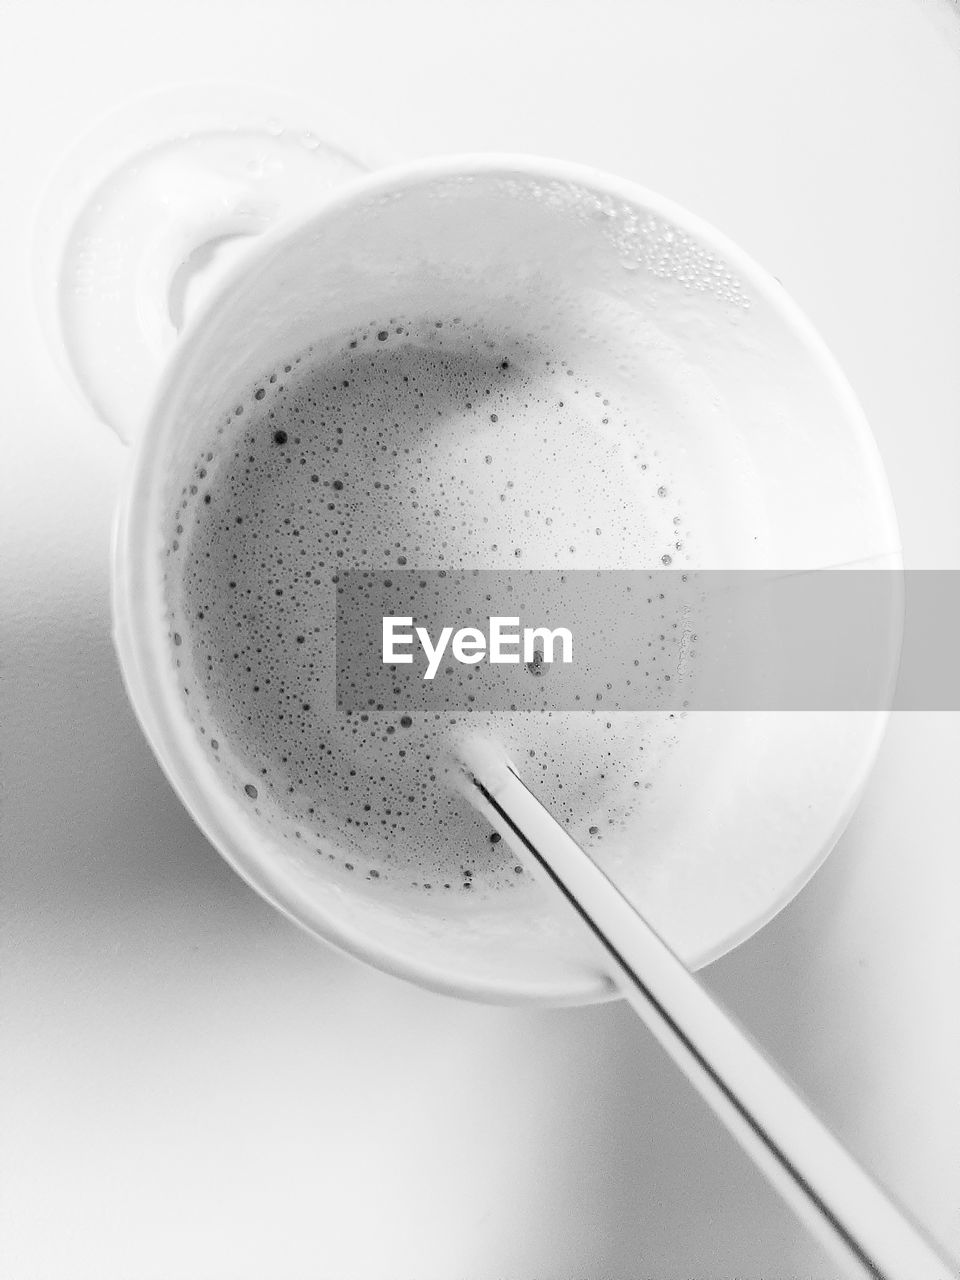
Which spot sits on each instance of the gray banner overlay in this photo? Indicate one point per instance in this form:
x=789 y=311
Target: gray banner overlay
x=666 y=640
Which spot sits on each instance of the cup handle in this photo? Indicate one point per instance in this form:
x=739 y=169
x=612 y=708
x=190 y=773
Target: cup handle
x=123 y=262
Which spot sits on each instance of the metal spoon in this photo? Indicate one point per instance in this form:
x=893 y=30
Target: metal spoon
x=816 y=1175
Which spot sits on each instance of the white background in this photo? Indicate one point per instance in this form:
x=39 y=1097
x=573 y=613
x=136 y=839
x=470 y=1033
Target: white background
x=190 y=1087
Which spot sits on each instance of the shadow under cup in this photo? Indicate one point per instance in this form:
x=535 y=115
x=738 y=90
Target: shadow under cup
x=731 y=385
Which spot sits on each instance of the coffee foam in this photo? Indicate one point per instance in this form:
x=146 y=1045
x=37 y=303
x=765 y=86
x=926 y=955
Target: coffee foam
x=420 y=443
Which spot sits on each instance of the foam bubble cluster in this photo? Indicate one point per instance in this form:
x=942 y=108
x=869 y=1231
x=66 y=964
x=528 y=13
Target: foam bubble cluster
x=408 y=443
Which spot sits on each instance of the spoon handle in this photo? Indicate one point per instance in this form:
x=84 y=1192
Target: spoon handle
x=840 y=1203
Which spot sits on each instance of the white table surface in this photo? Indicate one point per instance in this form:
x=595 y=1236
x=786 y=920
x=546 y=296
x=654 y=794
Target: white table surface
x=190 y=1088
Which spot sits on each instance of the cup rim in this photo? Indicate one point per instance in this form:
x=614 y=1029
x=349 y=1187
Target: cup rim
x=139 y=650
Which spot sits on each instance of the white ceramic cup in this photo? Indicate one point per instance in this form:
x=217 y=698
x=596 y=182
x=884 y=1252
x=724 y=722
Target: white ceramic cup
x=777 y=460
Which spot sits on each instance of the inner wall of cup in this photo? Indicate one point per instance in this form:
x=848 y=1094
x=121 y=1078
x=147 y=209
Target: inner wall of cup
x=769 y=461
